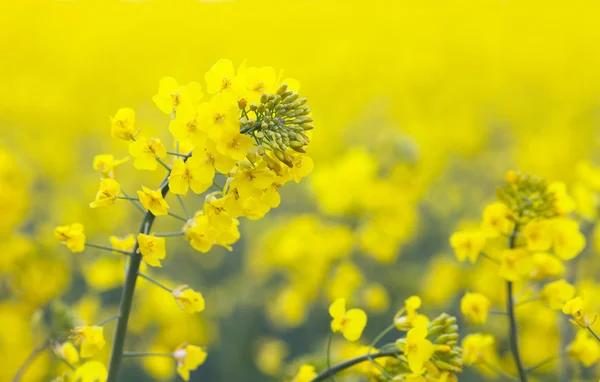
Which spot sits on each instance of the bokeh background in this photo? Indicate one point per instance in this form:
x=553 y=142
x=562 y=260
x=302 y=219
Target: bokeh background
x=420 y=108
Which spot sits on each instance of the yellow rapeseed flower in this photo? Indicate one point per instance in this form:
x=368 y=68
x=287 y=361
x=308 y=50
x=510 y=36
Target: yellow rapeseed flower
x=557 y=293
x=190 y=174
x=188 y=299
x=171 y=95
x=477 y=348
x=350 y=323
x=123 y=124
x=467 y=245
x=72 y=236
x=106 y=164
x=107 y=193
x=417 y=349
x=145 y=151
x=90 y=340
x=538 y=234
x=152 y=249
x=475 y=307
x=126 y=243
x=584 y=348
x=306 y=373
x=91 y=371
x=496 y=220
x=567 y=240
x=188 y=358
x=153 y=201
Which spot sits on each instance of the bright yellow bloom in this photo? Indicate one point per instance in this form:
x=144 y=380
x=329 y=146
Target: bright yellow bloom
x=72 y=236
x=496 y=220
x=190 y=174
x=184 y=127
x=467 y=245
x=68 y=352
x=152 y=249
x=221 y=79
x=578 y=308
x=126 y=243
x=219 y=116
x=475 y=307
x=91 y=371
x=90 y=340
x=106 y=164
x=546 y=265
x=188 y=299
x=234 y=144
x=145 y=151
x=107 y=193
x=302 y=166
x=412 y=318
x=584 y=348
x=539 y=235
x=563 y=203
x=123 y=124
x=188 y=358
x=208 y=155
x=477 y=348
x=516 y=264
x=350 y=323
x=171 y=94
x=417 y=349
x=567 y=241
x=259 y=81
x=306 y=373
x=153 y=201
x=376 y=298
x=556 y=293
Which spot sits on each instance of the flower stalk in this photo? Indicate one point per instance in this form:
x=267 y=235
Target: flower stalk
x=331 y=371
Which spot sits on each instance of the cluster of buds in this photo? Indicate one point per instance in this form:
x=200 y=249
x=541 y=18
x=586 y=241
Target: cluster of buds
x=443 y=332
x=528 y=197
x=280 y=123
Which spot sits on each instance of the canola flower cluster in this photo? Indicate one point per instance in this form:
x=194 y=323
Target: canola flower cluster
x=251 y=133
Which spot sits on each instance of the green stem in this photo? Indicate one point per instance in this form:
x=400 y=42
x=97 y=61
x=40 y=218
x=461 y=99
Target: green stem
x=164 y=164
x=374 y=343
x=107 y=320
x=331 y=371
x=175 y=215
x=544 y=362
x=485 y=255
x=131 y=354
x=329 y=355
x=134 y=201
x=108 y=248
x=116 y=354
x=169 y=234
x=510 y=310
x=32 y=357
x=128 y=198
x=176 y=154
x=187 y=214
x=589 y=328
x=155 y=282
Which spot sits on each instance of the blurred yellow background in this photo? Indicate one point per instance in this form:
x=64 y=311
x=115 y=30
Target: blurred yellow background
x=451 y=93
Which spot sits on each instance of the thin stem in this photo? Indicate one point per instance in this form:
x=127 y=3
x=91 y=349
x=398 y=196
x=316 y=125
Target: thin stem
x=187 y=214
x=329 y=355
x=32 y=357
x=544 y=362
x=510 y=309
x=163 y=164
x=176 y=154
x=353 y=361
x=155 y=282
x=527 y=301
x=108 y=248
x=134 y=202
x=107 y=320
x=497 y=313
x=116 y=355
x=589 y=328
x=132 y=354
x=177 y=216
x=485 y=255
x=169 y=234
x=374 y=343
x=503 y=374
x=128 y=198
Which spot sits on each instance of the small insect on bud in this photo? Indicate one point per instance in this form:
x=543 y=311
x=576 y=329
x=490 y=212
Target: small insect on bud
x=242 y=103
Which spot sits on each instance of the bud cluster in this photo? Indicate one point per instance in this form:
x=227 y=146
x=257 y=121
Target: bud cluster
x=280 y=123
x=528 y=197
x=443 y=332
